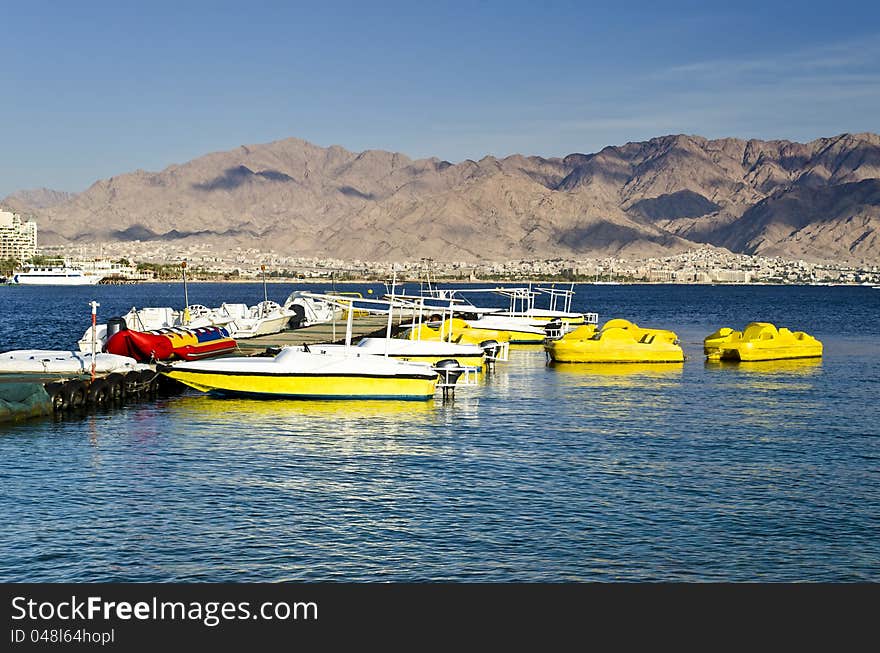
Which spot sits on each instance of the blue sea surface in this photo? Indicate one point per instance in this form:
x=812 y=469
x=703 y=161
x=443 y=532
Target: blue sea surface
x=693 y=472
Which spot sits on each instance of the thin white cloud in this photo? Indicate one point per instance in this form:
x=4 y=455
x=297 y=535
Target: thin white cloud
x=799 y=95
x=830 y=58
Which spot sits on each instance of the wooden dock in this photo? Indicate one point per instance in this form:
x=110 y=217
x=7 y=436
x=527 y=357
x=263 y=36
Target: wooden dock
x=322 y=334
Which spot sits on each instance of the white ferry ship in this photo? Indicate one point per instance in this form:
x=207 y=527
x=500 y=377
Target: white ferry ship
x=63 y=274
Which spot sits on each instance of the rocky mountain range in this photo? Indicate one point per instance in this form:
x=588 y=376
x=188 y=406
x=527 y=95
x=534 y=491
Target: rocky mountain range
x=818 y=200
x=35 y=199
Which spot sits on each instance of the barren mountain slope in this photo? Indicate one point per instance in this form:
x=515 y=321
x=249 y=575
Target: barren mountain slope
x=645 y=198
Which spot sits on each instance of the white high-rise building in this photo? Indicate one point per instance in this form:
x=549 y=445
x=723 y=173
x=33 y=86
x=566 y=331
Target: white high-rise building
x=18 y=240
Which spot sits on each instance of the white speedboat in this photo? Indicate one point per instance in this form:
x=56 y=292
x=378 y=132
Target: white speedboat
x=345 y=372
x=522 y=304
x=457 y=363
x=62 y=274
x=521 y=322
x=309 y=308
x=150 y=318
x=240 y=321
x=243 y=321
x=51 y=361
x=294 y=373
x=432 y=351
x=445 y=311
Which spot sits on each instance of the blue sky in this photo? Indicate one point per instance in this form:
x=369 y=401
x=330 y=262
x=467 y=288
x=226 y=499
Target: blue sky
x=93 y=89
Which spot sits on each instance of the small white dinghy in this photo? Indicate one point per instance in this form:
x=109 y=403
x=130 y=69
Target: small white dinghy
x=52 y=361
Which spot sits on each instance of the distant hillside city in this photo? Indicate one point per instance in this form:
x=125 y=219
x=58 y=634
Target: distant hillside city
x=157 y=260
x=148 y=261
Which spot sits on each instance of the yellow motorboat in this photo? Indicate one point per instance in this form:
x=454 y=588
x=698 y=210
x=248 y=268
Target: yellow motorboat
x=517 y=330
x=462 y=333
x=618 y=341
x=424 y=351
x=539 y=317
x=357 y=312
x=760 y=341
x=298 y=374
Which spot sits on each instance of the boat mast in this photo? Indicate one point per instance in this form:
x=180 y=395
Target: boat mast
x=265 y=292
x=94 y=306
x=451 y=300
x=348 y=327
x=185 y=295
x=390 y=309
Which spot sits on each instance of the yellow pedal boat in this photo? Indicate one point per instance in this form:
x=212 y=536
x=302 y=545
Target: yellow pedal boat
x=760 y=341
x=618 y=341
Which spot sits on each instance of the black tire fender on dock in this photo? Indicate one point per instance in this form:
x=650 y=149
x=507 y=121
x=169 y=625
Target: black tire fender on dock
x=145 y=378
x=98 y=392
x=76 y=394
x=57 y=395
x=150 y=382
x=131 y=383
x=115 y=387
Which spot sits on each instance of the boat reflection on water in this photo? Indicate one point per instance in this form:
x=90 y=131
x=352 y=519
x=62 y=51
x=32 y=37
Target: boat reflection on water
x=792 y=366
x=279 y=410
x=527 y=346
x=292 y=417
x=620 y=374
x=323 y=428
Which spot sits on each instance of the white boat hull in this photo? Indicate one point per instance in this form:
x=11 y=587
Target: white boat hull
x=296 y=374
x=423 y=351
x=56 y=280
x=243 y=329
x=50 y=361
x=233 y=317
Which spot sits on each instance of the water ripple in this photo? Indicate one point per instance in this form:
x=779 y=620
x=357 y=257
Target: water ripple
x=691 y=472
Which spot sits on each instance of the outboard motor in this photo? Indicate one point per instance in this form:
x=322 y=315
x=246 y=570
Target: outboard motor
x=553 y=329
x=492 y=348
x=115 y=325
x=299 y=316
x=449 y=370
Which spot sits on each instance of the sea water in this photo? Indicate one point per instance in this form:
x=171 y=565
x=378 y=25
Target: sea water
x=693 y=472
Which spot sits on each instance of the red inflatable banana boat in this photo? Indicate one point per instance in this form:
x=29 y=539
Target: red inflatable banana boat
x=170 y=343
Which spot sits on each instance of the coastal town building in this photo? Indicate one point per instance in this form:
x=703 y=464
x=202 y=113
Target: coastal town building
x=703 y=265
x=18 y=238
